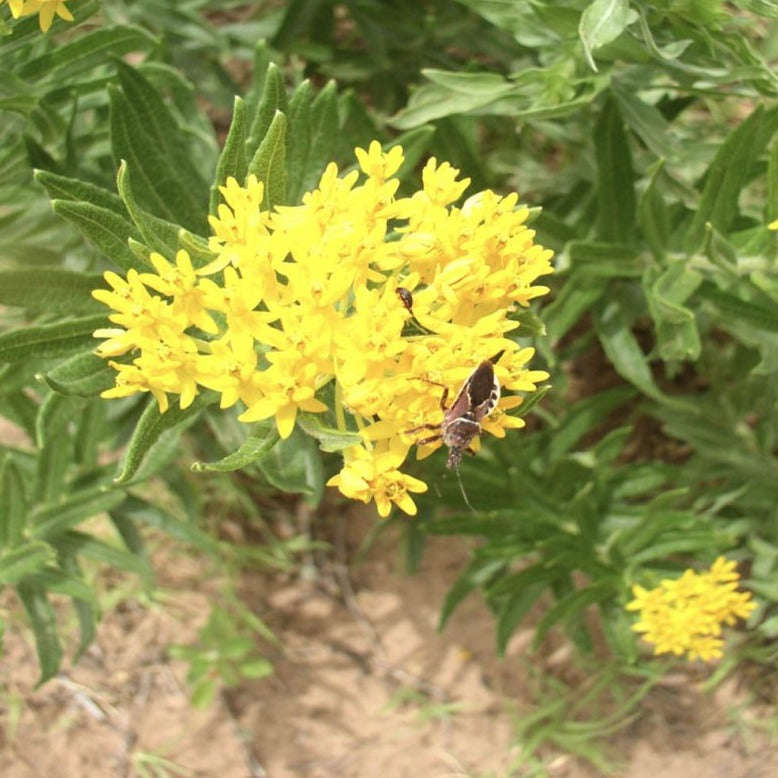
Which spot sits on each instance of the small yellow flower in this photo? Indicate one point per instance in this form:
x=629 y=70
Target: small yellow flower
x=686 y=615
x=373 y=475
x=46 y=10
x=287 y=386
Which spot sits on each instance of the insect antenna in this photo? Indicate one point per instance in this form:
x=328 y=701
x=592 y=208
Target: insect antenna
x=462 y=489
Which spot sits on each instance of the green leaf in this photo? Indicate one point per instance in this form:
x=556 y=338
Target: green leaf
x=294 y=465
x=90 y=431
x=65 y=188
x=49 y=519
x=450 y=93
x=577 y=296
x=691 y=542
x=728 y=174
x=151 y=427
x=86 y=612
x=160 y=235
x=54 y=414
x=330 y=438
x=50 y=289
x=749 y=312
x=652 y=213
x=604 y=260
x=615 y=178
x=44 y=627
x=324 y=127
x=269 y=163
x=474 y=576
x=766 y=8
x=47 y=341
x=572 y=605
x=602 y=22
x=62 y=582
x=87 y=51
x=622 y=348
x=676 y=327
x=645 y=120
x=516 y=606
x=144 y=132
x=272 y=102
x=107 y=231
x=12 y=503
x=232 y=160
x=260 y=441
x=83 y=375
x=138 y=511
x=298 y=146
x=81 y=544
x=584 y=416
x=24 y=560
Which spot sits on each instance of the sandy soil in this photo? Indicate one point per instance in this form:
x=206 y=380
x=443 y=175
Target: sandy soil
x=363 y=686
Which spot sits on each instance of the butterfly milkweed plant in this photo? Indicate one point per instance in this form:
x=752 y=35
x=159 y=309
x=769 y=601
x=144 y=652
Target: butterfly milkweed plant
x=504 y=273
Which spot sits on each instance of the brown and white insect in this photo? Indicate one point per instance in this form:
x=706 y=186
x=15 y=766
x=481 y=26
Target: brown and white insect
x=462 y=421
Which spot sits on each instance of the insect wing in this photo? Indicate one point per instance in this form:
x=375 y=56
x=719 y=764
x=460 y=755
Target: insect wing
x=483 y=390
x=461 y=405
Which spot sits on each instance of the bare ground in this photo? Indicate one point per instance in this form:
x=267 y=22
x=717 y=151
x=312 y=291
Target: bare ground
x=363 y=686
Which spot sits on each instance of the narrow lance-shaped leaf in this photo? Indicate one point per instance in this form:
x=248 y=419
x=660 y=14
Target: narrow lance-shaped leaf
x=151 y=426
x=83 y=375
x=24 y=560
x=771 y=201
x=159 y=234
x=65 y=188
x=49 y=340
x=298 y=141
x=728 y=173
x=330 y=438
x=55 y=412
x=324 y=127
x=615 y=178
x=269 y=163
x=232 y=161
x=259 y=442
x=50 y=289
x=652 y=213
x=12 y=503
x=273 y=101
x=88 y=50
x=294 y=465
x=145 y=133
x=52 y=518
x=623 y=350
x=43 y=620
x=86 y=611
x=105 y=230
x=139 y=511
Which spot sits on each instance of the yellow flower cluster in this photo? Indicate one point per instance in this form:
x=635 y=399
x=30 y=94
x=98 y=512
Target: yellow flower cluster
x=306 y=296
x=46 y=10
x=685 y=616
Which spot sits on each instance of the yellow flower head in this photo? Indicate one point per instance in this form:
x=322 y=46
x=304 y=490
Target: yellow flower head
x=357 y=302
x=373 y=475
x=686 y=615
x=46 y=10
